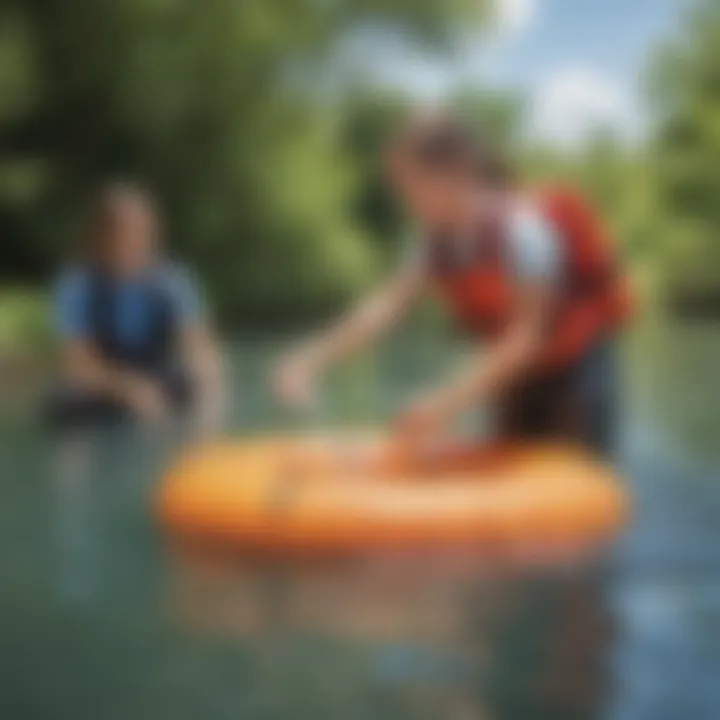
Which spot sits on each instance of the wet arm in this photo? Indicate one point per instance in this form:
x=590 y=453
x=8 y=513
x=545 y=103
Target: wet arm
x=366 y=322
x=489 y=373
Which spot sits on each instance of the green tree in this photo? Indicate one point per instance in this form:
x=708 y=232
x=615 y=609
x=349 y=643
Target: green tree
x=221 y=108
x=686 y=154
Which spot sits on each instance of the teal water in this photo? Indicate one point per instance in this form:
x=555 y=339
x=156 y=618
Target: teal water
x=101 y=619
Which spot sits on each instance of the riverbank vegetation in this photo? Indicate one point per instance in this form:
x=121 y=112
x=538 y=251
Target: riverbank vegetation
x=262 y=144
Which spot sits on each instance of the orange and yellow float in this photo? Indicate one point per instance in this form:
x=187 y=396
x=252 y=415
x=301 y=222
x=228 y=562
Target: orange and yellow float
x=290 y=494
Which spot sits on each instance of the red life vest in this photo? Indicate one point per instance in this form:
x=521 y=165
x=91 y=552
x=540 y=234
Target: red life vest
x=594 y=299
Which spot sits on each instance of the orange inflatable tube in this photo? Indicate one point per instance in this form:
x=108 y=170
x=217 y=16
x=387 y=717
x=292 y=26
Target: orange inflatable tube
x=302 y=494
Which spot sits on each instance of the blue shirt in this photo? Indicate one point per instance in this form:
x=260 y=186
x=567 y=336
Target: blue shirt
x=131 y=302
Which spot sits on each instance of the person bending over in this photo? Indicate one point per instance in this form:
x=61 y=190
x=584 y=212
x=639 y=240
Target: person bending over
x=528 y=272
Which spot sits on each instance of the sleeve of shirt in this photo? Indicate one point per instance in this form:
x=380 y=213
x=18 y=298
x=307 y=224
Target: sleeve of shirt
x=70 y=307
x=184 y=295
x=535 y=249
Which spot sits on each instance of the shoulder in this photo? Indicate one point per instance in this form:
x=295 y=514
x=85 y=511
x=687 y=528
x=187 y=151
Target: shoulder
x=177 y=283
x=71 y=301
x=173 y=276
x=72 y=281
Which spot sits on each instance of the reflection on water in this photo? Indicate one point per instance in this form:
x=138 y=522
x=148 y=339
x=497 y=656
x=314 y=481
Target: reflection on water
x=443 y=636
x=102 y=617
x=97 y=483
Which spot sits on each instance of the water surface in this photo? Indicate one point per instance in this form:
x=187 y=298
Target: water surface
x=100 y=618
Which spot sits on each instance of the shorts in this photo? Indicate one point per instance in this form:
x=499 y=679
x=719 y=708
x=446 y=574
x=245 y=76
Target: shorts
x=76 y=408
x=577 y=403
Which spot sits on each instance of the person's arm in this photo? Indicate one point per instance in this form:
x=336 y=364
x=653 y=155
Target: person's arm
x=365 y=323
x=83 y=366
x=488 y=373
x=199 y=349
x=86 y=369
x=203 y=361
x=535 y=261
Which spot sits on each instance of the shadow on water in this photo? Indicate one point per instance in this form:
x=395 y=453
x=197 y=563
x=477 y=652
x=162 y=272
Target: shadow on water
x=101 y=618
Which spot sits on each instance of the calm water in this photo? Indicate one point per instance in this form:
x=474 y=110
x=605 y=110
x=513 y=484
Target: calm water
x=100 y=619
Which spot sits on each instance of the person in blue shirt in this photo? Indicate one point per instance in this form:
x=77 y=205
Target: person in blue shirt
x=135 y=340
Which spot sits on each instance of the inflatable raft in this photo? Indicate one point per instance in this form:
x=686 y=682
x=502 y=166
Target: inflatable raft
x=308 y=495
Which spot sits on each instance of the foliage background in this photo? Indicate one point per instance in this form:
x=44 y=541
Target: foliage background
x=263 y=148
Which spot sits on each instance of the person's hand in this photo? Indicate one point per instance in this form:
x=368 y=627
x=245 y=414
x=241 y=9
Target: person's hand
x=294 y=380
x=423 y=422
x=145 y=398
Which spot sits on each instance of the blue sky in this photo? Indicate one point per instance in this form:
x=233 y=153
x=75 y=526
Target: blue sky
x=615 y=36
x=580 y=63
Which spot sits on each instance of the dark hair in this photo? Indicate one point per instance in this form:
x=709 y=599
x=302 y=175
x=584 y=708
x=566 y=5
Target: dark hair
x=444 y=143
